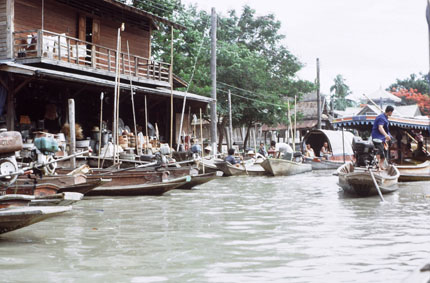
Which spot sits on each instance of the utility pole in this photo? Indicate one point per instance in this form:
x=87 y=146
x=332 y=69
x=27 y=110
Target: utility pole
x=213 y=78
x=428 y=24
x=230 y=120
x=318 y=95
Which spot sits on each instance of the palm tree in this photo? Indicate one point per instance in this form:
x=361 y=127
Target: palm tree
x=339 y=93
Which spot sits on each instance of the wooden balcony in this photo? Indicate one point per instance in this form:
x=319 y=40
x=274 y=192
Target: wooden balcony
x=41 y=46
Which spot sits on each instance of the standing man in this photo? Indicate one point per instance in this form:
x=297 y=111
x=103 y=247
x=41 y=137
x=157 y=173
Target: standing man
x=380 y=131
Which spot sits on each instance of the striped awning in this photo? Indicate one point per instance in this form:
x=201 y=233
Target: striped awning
x=363 y=120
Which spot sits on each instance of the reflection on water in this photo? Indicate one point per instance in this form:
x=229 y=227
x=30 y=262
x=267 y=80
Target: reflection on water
x=257 y=229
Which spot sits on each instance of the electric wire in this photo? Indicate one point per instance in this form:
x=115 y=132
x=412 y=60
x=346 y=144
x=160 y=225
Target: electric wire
x=252 y=99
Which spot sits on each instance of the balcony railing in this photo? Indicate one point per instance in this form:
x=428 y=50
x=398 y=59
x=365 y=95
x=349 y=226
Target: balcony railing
x=63 y=48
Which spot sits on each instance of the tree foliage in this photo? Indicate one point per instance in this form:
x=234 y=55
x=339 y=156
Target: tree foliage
x=339 y=92
x=413 y=90
x=251 y=61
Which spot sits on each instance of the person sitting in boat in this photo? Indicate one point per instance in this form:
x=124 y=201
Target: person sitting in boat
x=272 y=149
x=309 y=152
x=262 y=149
x=419 y=153
x=231 y=158
x=325 y=152
x=381 y=135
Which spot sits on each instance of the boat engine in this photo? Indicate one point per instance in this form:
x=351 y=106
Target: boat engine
x=364 y=152
x=46 y=147
x=10 y=142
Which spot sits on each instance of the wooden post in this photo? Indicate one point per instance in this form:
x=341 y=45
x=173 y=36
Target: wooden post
x=72 y=137
x=295 y=122
x=100 y=129
x=10 y=28
x=318 y=95
x=213 y=78
x=230 y=120
x=10 y=118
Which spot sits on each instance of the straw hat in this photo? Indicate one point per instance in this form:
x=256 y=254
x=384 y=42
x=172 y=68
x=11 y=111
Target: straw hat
x=209 y=148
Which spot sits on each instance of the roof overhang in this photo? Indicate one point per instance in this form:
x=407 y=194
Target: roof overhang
x=368 y=120
x=12 y=67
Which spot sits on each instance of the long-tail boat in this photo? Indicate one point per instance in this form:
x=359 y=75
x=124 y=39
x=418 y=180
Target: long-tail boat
x=358 y=180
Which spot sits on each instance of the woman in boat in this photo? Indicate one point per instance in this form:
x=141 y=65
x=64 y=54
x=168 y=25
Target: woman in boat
x=309 y=152
x=325 y=152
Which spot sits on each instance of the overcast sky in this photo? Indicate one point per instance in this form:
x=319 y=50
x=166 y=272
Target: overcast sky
x=370 y=43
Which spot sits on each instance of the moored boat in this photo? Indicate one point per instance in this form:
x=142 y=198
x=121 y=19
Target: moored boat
x=15 y=217
x=200 y=179
x=321 y=164
x=414 y=172
x=149 y=188
x=282 y=167
x=240 y=169
x=359 y=181
x=340 y=144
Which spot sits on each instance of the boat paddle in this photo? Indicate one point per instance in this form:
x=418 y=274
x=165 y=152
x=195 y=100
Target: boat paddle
x=376 y=184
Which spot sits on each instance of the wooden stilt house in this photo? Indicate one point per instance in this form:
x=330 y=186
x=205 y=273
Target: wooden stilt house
x=52 y=50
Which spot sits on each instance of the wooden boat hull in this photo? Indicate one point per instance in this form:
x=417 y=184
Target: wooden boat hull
x=14 y=218
x=413 y=177
x=318 y=164
x=60 y=199
x=37 y=189
x=83 y=188
x=209 y=166
x=58 y=180
x=281 y=167
x=197 y=180
x=358 y=181
x=240 y=169
x=145 y=189
x=414 y=173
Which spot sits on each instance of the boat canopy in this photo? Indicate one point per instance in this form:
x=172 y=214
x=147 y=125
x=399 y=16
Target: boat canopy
x=339 y=147
x=416 y=123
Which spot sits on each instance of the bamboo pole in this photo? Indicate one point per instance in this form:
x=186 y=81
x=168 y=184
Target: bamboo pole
x=171 y=88
x=295 y=121
x=132 y=101
x=114 y=124
x=201 y=140
x=146 y=126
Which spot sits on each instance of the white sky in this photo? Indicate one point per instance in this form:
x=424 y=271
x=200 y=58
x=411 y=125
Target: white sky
x=370 y=43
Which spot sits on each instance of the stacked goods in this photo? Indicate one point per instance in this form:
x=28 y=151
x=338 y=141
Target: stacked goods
x=123 y=141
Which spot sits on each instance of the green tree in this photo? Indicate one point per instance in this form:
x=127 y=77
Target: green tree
x=419 y=83
x=250 y=56
x=339 y=92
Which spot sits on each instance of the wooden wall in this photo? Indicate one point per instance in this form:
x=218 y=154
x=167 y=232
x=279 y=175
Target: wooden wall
x=138 y=39
x=3 y=29
x=61 y=18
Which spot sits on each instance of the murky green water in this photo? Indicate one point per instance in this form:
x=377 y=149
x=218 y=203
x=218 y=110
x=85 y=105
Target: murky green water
x=237 y=229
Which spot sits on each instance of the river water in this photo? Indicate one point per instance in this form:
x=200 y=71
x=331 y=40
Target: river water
x=237 y=229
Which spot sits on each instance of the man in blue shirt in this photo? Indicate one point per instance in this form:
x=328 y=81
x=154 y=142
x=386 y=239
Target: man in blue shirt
x=230 y=158
x=380 y=131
